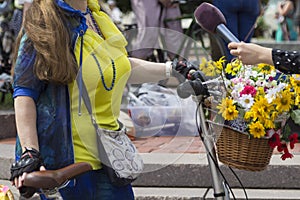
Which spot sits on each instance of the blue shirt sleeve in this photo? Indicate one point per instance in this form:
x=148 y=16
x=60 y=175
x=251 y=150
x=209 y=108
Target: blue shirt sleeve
x=26 y=83
x=22 y=91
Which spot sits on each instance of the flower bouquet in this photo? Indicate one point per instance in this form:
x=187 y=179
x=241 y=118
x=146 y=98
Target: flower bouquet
x=257 y=102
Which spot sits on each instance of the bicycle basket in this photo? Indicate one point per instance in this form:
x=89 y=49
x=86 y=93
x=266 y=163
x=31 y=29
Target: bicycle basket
x=235 y=145
x=239 y=150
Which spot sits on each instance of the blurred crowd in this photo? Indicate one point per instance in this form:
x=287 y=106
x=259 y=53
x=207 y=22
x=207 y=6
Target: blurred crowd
x=277 y=17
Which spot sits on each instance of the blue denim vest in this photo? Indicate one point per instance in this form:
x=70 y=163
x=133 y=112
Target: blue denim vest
x=52 y=100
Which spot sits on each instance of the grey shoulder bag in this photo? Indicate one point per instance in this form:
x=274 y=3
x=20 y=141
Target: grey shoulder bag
x=118 y=155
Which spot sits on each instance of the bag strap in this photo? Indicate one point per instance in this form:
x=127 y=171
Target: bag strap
x=102 y=155
x=86 y=100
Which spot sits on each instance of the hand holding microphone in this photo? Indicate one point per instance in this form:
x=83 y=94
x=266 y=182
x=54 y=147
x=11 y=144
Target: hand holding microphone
x=211 y=19
x=251 y=54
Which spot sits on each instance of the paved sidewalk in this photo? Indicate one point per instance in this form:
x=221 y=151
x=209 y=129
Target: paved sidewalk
x=167 y=144
x=176 y=168
x=180 y=144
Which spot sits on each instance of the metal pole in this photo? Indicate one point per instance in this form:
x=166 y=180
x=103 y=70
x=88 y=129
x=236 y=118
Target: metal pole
x=217 y=181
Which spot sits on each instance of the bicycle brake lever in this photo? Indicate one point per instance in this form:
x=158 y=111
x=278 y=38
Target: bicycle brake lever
x=53 y=193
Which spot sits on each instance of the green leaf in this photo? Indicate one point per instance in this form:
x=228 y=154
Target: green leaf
x=295 y=115
x=286 y=131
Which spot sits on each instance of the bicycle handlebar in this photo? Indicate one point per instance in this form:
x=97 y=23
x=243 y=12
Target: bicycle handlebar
x=50 y=179
x=194 y=87
x=198 y=85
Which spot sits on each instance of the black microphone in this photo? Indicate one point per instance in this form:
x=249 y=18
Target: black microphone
x=188 y=88
x=211 y=19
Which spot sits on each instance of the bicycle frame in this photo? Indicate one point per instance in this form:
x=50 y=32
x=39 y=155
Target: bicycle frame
x=220 y=190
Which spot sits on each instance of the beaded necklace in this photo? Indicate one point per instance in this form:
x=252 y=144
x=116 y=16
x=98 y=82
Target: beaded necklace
x=94 y=22
x=88 y=11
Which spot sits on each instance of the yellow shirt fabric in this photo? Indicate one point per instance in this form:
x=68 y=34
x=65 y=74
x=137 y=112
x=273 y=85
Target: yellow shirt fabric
x=105 y=104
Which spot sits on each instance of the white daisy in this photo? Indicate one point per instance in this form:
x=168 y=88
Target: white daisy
x=238 y=87
x=246 y=100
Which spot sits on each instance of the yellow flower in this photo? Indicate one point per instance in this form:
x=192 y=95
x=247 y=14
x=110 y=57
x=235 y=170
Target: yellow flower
x=230 y=113
x=228 y=109
x=265 y=68
x=295 y=84
x=269 y=123
x=274 y=115
x=261 y=109
x=233 y=67
x=297 y=100
x=220 y=62
x=260 y=91
x=257 y=129
x=283 y=101
x=224 y=104
x=248 y=115
x=211 y=68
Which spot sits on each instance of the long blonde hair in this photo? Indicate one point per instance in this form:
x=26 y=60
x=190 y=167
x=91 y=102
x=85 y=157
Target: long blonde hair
x=47 y=32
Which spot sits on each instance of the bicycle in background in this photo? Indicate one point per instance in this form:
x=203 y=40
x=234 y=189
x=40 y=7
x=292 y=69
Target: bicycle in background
x=195 y=43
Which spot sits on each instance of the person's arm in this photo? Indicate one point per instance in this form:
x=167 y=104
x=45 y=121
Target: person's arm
x=25 y=113
x=287 y=62
x=285 y=8
x=27 y=88
x=251 y=54
x=145 y=71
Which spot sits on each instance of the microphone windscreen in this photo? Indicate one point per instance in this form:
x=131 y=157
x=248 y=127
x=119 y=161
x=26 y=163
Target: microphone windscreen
x=209 y=17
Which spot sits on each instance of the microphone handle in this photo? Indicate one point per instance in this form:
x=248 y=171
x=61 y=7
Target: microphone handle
x=225 y=33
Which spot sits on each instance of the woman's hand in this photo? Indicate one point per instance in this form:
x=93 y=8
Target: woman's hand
x=30 y=161
x=181 y=69
x=285 y=7
x=251 y=54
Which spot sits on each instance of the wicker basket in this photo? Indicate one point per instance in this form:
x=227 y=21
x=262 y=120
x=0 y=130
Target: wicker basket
x=238 y=150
